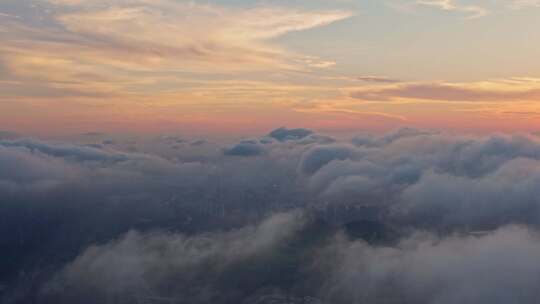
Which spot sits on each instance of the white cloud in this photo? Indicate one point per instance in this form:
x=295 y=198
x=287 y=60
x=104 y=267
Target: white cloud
x=473 y=11
x=519 y=4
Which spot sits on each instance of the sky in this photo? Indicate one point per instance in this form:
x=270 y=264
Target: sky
x=246 y=67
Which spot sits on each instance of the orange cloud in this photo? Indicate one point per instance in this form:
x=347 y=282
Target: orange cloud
x=128 y=47
x=518 y=89
x=187 y=36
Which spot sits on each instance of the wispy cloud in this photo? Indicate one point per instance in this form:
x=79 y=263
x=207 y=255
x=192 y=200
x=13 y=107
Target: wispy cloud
x=381 y=79
x=194 y=36
x=515 y=89
x=122 y=46
x=473 y=11
x=4 y=15
x=365 y=78
x=519 y=4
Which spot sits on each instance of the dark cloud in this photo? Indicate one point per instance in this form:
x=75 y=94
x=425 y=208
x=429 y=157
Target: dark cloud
x=284 y=134
x=67 y=151
x=266 y=140
x=246 y=148
x=318 y=139
x=199 y=142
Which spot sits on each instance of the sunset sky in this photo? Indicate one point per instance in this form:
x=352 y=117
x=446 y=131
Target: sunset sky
x=234 y=66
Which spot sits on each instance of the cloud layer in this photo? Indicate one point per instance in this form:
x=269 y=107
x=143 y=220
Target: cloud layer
x=414 y=215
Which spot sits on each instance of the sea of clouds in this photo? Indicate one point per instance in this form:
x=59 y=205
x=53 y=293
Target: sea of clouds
x=410 y=216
